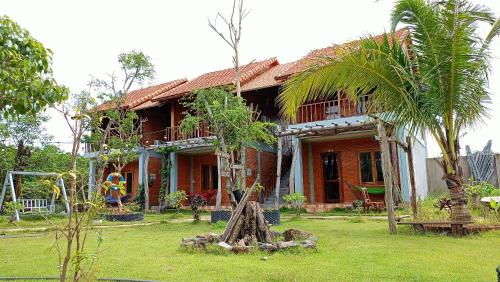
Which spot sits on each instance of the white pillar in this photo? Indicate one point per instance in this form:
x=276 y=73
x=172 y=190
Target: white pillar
x=173 y=172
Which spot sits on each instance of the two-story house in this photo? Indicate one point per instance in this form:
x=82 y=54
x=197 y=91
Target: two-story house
x=327 y=165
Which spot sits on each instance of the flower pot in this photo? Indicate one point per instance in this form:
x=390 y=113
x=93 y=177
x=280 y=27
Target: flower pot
x=223 y=215
x=272 y=216
x=124 y=217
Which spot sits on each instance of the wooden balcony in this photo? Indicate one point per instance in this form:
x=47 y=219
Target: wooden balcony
x=174 y=133
x=332 y=109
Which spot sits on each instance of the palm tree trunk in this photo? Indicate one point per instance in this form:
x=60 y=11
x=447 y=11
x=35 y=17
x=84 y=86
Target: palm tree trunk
x=454 y=181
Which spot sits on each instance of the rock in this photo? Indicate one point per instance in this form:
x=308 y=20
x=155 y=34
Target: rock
x=213 y=237
x=276 y=234
x=308 y=244
x=295 y=234
x=287 y=244
x=225 y=245
x=263 y=258
x=313 y=238
x=240 y=249
x=267 y=247
x=97 y=222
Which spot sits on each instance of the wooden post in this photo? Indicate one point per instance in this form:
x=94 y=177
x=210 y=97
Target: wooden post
x=278 y=174
x=218 y=201
x=145 y=183
x=387 y=170
x=413 y=188
x=291 y=183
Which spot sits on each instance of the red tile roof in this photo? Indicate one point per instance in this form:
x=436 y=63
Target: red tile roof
x=267 y=79
x=219 y=78
x=137 y=97
x=313 y=56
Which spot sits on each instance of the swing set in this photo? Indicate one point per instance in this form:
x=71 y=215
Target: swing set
x=33 y=205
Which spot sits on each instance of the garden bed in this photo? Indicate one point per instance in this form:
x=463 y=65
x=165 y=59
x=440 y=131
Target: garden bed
x=124 y=217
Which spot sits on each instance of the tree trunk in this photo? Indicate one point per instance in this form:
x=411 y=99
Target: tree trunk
x=413 y=200
x=388 y=180
x=459 y=210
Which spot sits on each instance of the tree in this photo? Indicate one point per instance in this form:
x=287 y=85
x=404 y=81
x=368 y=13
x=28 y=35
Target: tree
x=432 y=81
x=26 y=80
x=24 y=131
x=235 y=125
x=116 y=123
x=77 y=114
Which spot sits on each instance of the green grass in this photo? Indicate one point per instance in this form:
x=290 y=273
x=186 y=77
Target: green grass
x=348 y=250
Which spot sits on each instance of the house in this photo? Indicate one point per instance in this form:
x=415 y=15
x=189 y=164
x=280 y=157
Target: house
x=326 y=166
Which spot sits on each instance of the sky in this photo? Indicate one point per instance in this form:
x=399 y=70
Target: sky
x=87 y=36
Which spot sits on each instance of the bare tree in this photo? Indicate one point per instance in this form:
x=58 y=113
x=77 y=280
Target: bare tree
x=233 y=35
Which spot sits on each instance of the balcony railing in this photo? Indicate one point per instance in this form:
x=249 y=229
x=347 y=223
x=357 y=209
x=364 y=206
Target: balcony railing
x=174 y=133
x=332 y=109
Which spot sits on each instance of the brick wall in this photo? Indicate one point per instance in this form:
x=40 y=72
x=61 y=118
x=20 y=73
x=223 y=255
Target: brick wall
x=349 y=166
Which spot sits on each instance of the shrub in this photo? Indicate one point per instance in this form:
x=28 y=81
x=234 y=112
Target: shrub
x=297 y=200
x=197 y=202
x=174 y=200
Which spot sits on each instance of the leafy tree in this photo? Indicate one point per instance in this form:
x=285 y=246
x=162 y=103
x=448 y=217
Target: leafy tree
x=235 y=125
x=116 y=124
x=24 y=131
x=26 y=82
x=437 y=86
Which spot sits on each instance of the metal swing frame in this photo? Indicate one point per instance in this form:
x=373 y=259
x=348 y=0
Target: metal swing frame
x=9 y=181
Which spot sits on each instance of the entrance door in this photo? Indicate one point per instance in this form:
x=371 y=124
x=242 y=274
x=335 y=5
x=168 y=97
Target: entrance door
x=331 y=177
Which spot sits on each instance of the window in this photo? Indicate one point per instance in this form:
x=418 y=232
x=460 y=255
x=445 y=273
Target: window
x=209 y=177
x=129 y=177
x=370 y=165
x=205 y=177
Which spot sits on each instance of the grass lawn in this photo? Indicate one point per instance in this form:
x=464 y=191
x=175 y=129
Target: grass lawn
x=347 y=251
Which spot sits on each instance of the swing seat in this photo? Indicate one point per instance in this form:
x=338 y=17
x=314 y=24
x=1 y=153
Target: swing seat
x=35 y=205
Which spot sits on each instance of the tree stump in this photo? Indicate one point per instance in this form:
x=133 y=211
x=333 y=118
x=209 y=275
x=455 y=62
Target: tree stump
x=249 y=226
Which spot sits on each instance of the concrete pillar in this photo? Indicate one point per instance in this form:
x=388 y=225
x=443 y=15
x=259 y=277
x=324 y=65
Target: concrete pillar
x=298 y=177
x=140 y=179
x=173 y=172
x=91 y=178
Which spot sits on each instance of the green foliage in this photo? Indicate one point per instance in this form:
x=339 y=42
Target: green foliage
x=140 y=197
x=27 y=85
x=197 y=202
x=174 y=200
x=481 y=189
x=226 y=114
x=297 y=200
x=446 y=94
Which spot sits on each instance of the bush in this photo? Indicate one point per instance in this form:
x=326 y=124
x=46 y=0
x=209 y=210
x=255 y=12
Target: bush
x=297 y=200
x=174 y=200
x=197 y=202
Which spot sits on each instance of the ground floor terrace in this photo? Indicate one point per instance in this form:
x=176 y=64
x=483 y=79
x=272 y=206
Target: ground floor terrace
x=329 y=169
x=332 y=166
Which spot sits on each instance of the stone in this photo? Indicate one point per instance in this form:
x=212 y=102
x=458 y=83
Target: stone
x=263 y=258
x=225 y=245
x=267 y=247
x=308 y=244
x=296 y=234
x=286 y=244
x=240 y=249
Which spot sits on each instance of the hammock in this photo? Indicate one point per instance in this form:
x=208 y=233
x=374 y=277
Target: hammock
x=377 y=190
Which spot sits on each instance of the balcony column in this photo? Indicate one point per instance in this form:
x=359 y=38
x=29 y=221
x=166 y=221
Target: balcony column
x=91 y=178
x=173 y=172
x=297 y=180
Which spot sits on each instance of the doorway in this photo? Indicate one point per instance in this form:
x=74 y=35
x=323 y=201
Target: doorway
x=331 y=177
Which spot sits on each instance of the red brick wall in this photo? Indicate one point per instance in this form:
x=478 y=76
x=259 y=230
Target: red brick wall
x=349 y=166
x=156 y=120
x=268 y=162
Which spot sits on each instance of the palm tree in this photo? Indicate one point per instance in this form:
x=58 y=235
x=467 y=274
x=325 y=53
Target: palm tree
x=433 y=80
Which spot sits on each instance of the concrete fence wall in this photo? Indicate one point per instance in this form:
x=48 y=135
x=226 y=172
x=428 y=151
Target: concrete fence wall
x=435 y=180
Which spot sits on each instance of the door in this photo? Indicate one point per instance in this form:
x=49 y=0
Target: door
x=331 y=177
